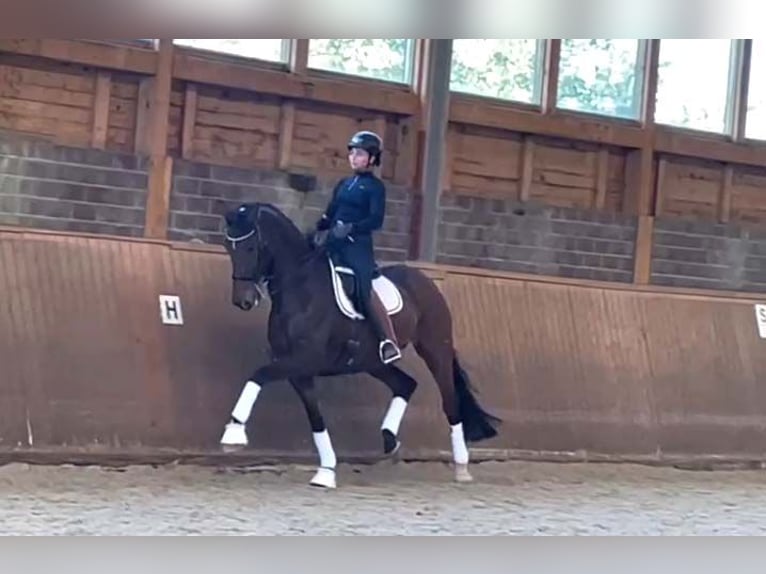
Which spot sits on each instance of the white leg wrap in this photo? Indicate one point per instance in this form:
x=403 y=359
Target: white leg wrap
x=459 y=449
x=244 y=405
x=394 y=415
x=327 y=457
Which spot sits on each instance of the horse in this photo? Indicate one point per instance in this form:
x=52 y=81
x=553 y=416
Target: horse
x=314 y=331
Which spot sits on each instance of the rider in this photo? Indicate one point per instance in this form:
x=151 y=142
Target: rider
x=357 y=208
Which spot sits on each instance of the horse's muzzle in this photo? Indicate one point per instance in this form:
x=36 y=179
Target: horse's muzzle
x=245 y=295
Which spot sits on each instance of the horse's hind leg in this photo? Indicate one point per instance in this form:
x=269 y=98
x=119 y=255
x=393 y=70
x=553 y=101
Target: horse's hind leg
x=402 y=386
x=325 y=475
x=439 y=356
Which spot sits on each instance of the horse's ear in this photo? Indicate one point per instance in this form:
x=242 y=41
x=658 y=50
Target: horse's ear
x=238 y=216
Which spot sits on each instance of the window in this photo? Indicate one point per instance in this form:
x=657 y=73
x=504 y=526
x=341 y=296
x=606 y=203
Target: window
x=755 y=128
x=503 y=69
x=601 y=77
x=389 y=60
x=259 y=49
x=694 y=84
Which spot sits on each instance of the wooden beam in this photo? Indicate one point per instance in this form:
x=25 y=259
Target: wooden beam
x=406 y=148
x=158 y=200
x=650 y=82
x=101 y=110
x=716 y=148
x=357 y=93
x=642 y=264
x=101 y=55
x=639 y=182
x=602 y=179
x=551 y=76
x=724 y=196
x=299 y=56
x=142 y=136
x=527 y=168
x=452 y=137
x=379 y=125
x=190 y=120
x=160 y=165
x=286 y=130
x=666 y=139
x=505 y=116
x=160 y=103
x=659 y=202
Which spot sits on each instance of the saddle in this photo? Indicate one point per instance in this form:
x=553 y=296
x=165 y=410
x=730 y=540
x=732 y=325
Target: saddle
x=345 y=288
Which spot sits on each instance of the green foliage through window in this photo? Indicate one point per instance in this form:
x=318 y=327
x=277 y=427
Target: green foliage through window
x=389 y=60
x=503 y=69
x=601 y=77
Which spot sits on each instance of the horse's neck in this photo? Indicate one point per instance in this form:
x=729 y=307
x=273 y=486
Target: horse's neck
x=287 y=258
x=286 y=245
x=299 y=277
x=290 y=254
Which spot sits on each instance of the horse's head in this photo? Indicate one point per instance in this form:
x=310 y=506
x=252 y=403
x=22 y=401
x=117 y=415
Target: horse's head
x=249 y=259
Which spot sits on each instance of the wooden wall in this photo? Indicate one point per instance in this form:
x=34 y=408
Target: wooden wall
x=60 y=102
x=84 y=94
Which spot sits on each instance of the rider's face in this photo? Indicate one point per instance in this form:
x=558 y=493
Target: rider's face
x=358 y=159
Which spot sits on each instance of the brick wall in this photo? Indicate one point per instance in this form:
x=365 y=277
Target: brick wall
x=701 y=254
x=504 y=235
x=83 y=190
x=202 y=193
x=70 y=189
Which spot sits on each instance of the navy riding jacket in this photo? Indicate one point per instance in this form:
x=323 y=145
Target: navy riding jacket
x=359 y=200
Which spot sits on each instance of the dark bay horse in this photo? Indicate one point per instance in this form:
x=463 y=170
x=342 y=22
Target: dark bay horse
x=310 y=336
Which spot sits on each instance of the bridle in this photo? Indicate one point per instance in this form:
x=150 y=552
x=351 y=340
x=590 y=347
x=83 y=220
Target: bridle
x=259 y=246
x=235 y=240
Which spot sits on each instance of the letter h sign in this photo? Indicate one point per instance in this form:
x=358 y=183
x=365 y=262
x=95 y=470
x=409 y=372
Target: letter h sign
x=170 y=310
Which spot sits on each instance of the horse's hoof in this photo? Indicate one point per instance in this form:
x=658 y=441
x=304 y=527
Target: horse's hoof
x=324 y=478
x=461 y=474
x=234 y=437
x=391 y=444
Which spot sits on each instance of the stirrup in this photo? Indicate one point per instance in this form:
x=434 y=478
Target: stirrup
x=397 y=352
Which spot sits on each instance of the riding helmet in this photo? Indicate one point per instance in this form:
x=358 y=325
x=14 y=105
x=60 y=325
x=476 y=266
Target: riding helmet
x=369 y=142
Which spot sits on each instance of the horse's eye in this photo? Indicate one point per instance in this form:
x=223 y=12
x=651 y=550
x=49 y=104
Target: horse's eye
x=251 y=249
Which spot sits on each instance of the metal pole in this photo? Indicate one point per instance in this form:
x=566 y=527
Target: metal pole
x=436 y=112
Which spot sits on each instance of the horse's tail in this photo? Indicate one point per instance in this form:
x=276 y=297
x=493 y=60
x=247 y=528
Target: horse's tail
x=478 y=425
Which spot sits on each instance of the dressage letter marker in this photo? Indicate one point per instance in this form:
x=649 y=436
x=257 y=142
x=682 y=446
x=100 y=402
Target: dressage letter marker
x=760 y=318
x=170 y=310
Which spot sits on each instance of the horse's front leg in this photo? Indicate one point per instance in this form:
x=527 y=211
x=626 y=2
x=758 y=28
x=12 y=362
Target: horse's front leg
x=325 y=475
x=295 y=365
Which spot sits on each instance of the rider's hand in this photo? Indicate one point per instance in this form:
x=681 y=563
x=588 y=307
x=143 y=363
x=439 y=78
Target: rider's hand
x=323 y=224
x=341 y=230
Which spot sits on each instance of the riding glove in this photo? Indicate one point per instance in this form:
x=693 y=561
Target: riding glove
x=341 y=230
